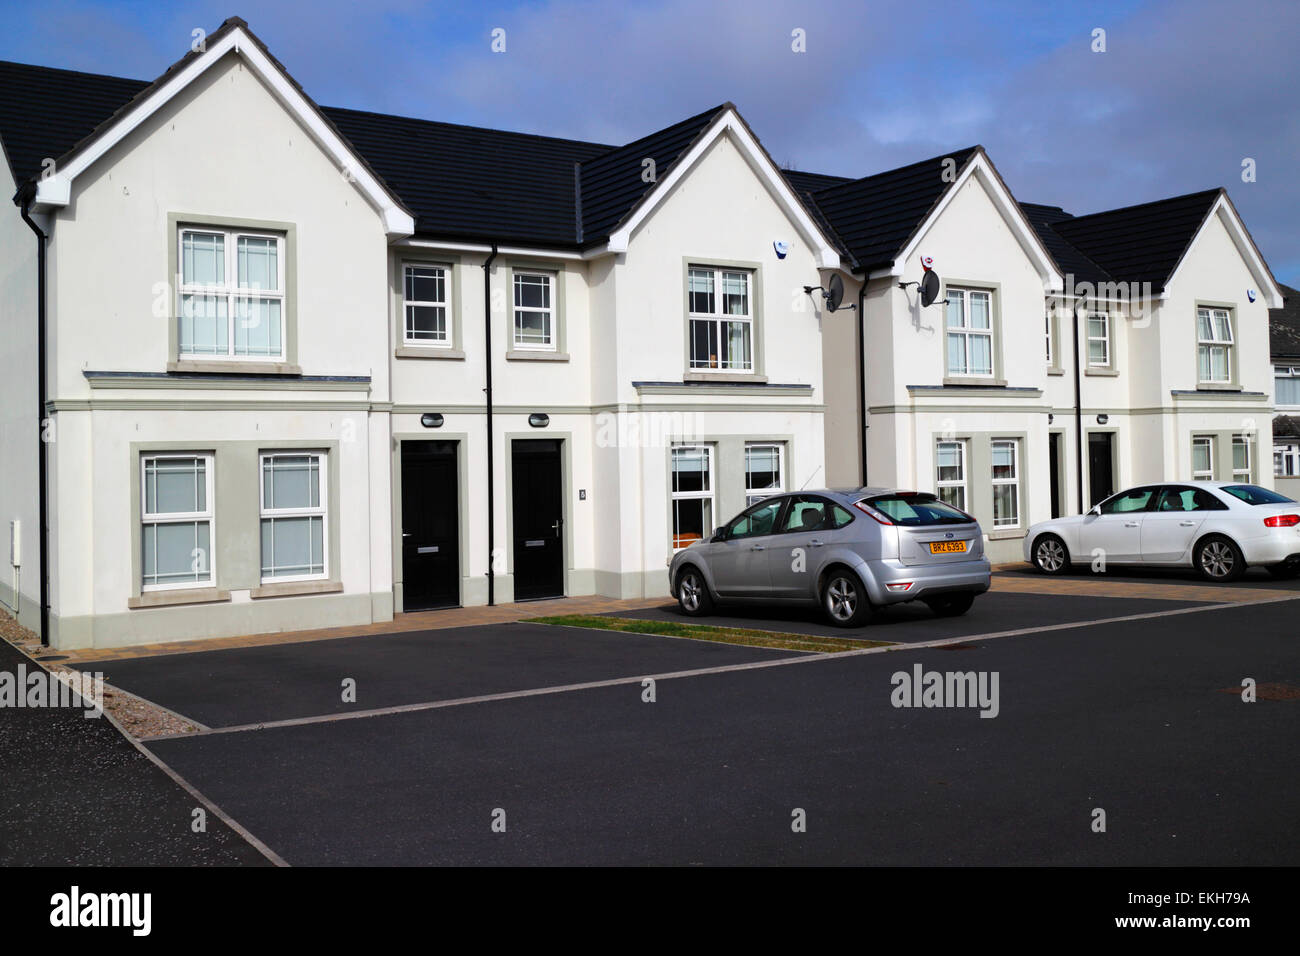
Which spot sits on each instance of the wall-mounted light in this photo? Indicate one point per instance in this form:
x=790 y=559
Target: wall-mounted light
x=431 y=420
x=1102 y=419
x=1050 y=418
x=539 y=419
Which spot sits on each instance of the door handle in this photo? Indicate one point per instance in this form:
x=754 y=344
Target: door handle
x=556 y=527
x=1130 y=524
x=814 y=543
x=757 y=547
x=407 y=534
x=1186 y=524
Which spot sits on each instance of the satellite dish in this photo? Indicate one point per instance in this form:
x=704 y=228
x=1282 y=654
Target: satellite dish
x=929 y=287
x=835 y=295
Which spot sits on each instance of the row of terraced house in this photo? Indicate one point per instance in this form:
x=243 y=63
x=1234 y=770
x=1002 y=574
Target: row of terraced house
x=268 y=365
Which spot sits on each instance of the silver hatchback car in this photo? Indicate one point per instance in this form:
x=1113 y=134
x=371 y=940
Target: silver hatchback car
x=848 y=550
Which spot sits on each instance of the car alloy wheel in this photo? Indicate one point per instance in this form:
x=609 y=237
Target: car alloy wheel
x=1217 y=559
x=690 y=591
x=845 y=600
x=1049 y=555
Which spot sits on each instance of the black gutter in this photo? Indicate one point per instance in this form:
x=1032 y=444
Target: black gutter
x=862 y=376
x=42 y=458
x=491 y=484
x=1078 y=410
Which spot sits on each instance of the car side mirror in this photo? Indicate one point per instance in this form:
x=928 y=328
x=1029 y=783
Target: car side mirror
x=719 y=534
x=1095 y=510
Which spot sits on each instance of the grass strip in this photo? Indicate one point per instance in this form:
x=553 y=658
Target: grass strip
x=703 y=632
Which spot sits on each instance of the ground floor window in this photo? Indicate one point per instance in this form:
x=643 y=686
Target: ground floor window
x=1286 y=459
x=1241 y=463
x=1203 y=458
x=293 y=516
x=950 y=472
x=1006 y=482
x=764 y=468
x=176 y=521
x=692 y=493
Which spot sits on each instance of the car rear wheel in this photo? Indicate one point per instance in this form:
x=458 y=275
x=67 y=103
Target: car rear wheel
x=844 y=599
x=1051 y=555
x=954 y=605
x=1218 y=559
x=693 y=595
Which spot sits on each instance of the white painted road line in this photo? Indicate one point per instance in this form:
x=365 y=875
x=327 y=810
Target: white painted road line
x=803 y=658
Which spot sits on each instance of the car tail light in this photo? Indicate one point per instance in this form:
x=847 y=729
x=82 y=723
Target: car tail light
x=1282 y=521
x=875 y=513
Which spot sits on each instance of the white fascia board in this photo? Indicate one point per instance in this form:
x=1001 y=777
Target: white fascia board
x=1227 y=214
x=449 y=246
x=1006 y=206
x=57 y=191
x=827 y=257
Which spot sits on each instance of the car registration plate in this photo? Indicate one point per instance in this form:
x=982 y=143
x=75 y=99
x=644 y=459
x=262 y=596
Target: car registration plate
x=947 y=547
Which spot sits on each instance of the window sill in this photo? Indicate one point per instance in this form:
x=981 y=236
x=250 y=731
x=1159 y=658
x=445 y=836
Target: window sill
x=172 y=598
x=985 y=382
x=1218 y=387
x=724 y=377
x=428 y=352
x=1006 y=533
x=527 y=355
x=295 y=588
x=1102 y=372
x=235 y=368
x=1055 y=371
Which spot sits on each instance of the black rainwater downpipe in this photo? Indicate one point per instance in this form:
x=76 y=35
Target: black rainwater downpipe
x=862 y=375
x=491 y=483
x=1078 y=411
x=43 y=505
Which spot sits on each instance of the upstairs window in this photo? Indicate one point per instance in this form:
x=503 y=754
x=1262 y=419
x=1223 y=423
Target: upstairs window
x=1287 y=381
x=1214 y=346
x=424 y=293
x=969 y=323
x=1099 y=340
x=534 y=310
x=231 y=295
x=720 y=304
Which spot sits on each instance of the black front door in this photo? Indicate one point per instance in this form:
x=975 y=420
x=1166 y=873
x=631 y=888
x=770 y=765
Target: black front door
x=430 y=533
x=1101 y=484
x=1054 y=470
x=537 y=518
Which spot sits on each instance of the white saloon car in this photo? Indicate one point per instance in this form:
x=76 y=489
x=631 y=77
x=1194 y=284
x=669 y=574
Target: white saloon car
x=1219 y=528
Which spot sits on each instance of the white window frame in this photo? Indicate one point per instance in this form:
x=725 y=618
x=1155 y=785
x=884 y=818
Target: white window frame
x=230 y=291
x=966 y=331
x=1013 y=482
x=1105 y=339
x=321 y=511
x=676 y=496
x=1242 y=474
x=754 y=495
x=1284 y=371
x=1208 y=442
x=720 y=319
x=1286 y=459
x=178 y=517
x=447 y=338
x=960 y=484
x=1214 y=342
x=551 y=312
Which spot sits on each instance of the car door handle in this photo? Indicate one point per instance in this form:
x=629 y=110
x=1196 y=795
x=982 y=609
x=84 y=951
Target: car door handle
x=757 y=547
x=1130 y=524
x=1186 y=524
x=814 y=543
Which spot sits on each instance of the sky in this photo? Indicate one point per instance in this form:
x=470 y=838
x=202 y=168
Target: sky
x=1183 y=93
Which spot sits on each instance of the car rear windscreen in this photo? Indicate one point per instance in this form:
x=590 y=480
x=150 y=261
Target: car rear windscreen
x=1255 y=495
x=918 y=510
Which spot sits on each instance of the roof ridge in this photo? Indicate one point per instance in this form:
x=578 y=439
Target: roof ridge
x=898 y=169
x=467 y=126
x=1152 y=202
x=664 y=129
